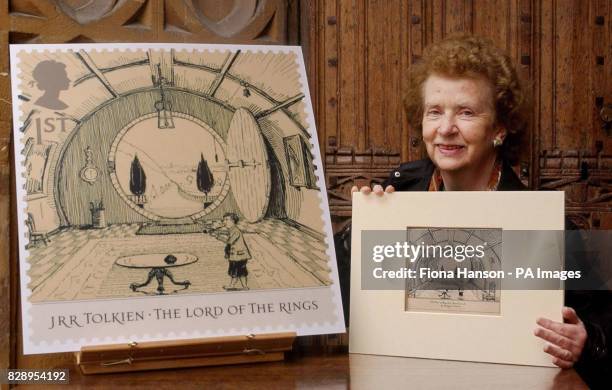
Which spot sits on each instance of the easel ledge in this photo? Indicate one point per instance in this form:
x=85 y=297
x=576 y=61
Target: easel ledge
x=158 y=355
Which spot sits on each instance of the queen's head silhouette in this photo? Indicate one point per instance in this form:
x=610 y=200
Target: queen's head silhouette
x=51 y=78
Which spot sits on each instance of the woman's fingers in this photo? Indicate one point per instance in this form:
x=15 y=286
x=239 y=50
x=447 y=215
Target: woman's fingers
x=560 y=353
x=554 y=338
x=562 y=363
x=378 y=190
x=570 y=316
x=557 y=327
x=571 y=336
x=567 y=340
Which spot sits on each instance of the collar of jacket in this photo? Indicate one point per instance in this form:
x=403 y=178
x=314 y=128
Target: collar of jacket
x=416 y=175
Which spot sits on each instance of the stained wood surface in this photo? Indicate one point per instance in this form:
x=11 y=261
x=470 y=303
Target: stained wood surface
x=212 y=351
x=340 y=371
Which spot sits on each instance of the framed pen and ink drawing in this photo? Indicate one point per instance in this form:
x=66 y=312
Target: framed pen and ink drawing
x=168 y=191
x=449 y=311
x=466 y=294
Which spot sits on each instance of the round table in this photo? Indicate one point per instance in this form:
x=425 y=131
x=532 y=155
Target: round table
x=158 y=268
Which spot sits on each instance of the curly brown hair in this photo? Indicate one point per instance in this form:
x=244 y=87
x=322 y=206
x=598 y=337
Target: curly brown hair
x=472 y=56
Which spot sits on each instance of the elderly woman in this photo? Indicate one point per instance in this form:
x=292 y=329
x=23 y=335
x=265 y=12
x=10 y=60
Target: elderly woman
x=466 y=100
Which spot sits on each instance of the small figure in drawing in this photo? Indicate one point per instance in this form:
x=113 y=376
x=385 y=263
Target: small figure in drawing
x=444 y=294
x=236 y=252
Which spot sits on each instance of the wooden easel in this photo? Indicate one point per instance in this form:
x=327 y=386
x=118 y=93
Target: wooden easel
x=158 y=355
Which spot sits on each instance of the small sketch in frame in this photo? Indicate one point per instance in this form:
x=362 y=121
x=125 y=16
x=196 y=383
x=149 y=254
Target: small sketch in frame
x=431 y=292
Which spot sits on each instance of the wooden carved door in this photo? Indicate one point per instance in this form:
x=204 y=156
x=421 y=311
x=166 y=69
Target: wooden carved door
x=361 y=51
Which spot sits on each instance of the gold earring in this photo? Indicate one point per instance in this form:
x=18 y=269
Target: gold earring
x=497 y=142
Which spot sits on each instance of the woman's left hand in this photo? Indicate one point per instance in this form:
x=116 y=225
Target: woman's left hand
x=566 y=340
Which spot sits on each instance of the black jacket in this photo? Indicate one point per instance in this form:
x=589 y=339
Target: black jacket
x=593 y=307
x=416 y=175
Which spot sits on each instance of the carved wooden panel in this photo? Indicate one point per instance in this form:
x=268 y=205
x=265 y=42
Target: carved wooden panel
x=345 y=168
x=58 y=21
x=36 y=21
x=574 y=83
x=364 y=49
x=585 y=177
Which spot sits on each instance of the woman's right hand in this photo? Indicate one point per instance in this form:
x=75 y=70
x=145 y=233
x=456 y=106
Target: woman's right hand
x=377 y=189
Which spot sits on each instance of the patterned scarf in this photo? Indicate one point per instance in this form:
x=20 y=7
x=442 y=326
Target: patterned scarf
x=437 y=184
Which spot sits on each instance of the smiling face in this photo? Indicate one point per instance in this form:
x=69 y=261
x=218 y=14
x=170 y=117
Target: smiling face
x=459 y=123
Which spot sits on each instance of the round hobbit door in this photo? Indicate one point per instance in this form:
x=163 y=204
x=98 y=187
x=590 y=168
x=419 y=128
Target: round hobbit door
x=169 y=174
x=248 y=167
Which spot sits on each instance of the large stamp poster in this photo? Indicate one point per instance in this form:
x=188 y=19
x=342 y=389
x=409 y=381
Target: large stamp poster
x=168 y=191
